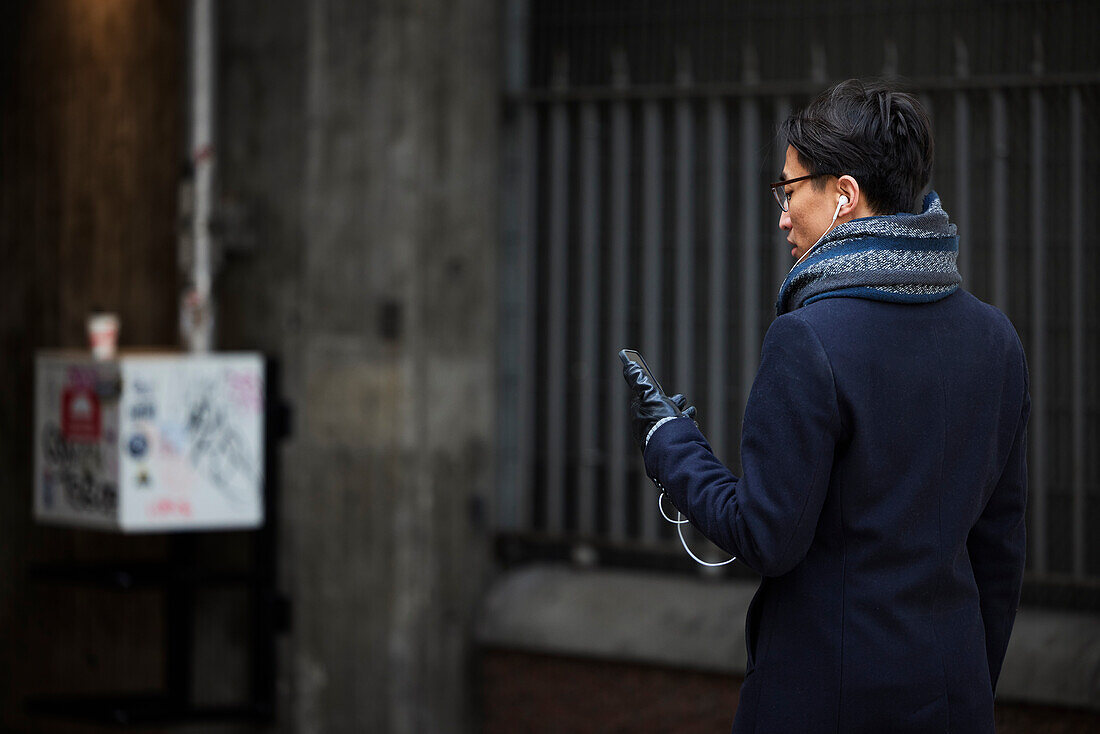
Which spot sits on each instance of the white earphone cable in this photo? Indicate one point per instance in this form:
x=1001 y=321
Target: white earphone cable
x=679 y=523
x=843 y=200
x=661 y=507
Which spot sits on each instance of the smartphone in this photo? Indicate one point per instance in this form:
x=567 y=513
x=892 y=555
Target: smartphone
x=636 y=357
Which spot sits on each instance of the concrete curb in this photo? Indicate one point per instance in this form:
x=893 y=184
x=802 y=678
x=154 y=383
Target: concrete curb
x=1053 y=658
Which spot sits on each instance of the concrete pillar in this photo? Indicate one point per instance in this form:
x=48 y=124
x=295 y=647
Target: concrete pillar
x=365 y=136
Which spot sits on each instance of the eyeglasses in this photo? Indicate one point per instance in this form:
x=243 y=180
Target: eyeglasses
x=781 y=193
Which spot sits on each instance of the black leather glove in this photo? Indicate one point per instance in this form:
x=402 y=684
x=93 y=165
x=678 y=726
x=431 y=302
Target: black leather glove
x=682 y=404
x=648 y=405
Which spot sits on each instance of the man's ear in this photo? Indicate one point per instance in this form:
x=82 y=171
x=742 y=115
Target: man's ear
x=856 y=206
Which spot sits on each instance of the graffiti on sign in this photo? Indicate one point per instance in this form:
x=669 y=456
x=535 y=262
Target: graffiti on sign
x=76 y=467
x=143 y=412
x=218 y=451
x=245 y=390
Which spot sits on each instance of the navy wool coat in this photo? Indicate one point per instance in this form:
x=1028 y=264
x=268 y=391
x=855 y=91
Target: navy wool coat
x=882 y=500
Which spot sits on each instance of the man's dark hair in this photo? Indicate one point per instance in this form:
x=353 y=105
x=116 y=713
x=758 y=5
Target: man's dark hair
x=880 y=137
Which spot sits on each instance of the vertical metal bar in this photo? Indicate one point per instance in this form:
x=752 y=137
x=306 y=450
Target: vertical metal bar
x=998 y=181
x=1077 y=322
x=587 y=408
x=617 y=324
x=512 y=333
x=718 y=363
x=515 y=45
x=818 y=73
x=783 y=260
x=750 y=246
x=517 y=284
x=557 y=307
x=527 y=258
x=684 y=323
x=961 y=207
x=929 y=109
x=1037 y=354
x=652 y=223
x=890 y=58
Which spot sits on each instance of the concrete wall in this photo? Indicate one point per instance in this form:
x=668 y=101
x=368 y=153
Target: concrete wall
x=359 y=141
x=362 y=137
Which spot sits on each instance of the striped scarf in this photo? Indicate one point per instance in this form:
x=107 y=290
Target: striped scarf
x=901 y=258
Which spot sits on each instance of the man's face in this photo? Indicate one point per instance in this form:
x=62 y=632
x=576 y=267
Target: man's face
x=809 y=211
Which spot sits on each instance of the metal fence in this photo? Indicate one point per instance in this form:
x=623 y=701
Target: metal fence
x=615 y=187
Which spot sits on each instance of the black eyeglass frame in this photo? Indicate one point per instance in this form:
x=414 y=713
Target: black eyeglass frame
x=781 y=198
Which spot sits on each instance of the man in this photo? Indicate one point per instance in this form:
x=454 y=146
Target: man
x=883 y=448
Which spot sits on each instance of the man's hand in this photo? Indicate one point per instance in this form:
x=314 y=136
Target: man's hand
x=647 y=404
x=682 y=404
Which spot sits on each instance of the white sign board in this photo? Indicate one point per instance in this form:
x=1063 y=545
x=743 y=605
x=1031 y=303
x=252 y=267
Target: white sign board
x=149 y=441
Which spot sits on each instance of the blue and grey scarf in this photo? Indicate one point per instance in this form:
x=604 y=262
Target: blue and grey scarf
x=903 y=258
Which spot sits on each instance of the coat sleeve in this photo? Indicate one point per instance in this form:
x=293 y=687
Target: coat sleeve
x=768 y=516
x=996 y=546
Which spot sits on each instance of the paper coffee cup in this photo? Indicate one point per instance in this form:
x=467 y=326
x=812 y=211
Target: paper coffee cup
x=103 y=335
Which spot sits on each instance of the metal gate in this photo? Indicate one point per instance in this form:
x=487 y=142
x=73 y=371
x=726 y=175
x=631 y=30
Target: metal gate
x=639 y=142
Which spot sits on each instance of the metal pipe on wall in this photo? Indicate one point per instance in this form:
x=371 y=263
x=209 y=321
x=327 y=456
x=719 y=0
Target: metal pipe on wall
x=197 y=307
